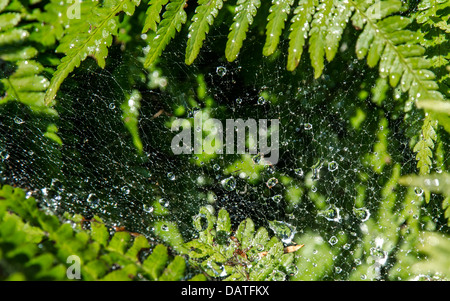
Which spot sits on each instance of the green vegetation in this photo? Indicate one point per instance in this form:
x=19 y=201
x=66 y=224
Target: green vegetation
x=89 y=91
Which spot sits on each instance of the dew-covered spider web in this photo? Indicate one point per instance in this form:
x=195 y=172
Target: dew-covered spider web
x=332 y=186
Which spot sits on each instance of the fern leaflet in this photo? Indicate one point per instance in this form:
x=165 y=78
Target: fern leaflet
x=153 y=11
x=203 y=18
x=341 y=12
x=88 y=39
x=245 y=11
x=20 y=78
x=277 y=17
x=317 y=34
x=425 y=145
x=299 y=31
x=173 y=18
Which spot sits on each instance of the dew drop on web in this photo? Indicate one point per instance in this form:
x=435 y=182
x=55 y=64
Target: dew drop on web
x=221 y=71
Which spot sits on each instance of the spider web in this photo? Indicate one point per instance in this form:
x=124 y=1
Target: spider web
x=320 y=173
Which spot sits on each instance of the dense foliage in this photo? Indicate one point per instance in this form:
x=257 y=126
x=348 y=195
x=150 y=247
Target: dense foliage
x=89 y=91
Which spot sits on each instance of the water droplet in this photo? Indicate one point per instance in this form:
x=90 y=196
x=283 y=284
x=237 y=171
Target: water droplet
x=112 y=106
x=332 y=166
x=277 y=198
x=92 y=200
x=200 y=222
x=260 y=247
x=379 y=254
x=216 y=167
x=256 y=159
x=163 y=202
x=165 y=228
x=272 y=182
x=333 y=240
x=331 y=214
x=298 y=172
x=278 y=276
x=171 y=176
x=283 y=230
x=238 y=100
x=292 y=270
x=269 y=169
x=147 y=208
x=221 y=71
x=229 y=184
x=362 y=213
x=307 y=126
x=418 y=191
x=316 y=170
x=338 y=270
x=125 y=189
x=261 y=100
x=18 y=120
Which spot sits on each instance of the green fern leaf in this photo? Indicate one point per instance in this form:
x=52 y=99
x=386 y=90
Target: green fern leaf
x=203 y=18
x=435 y=182
x=51 y=23
x=3 y=4
x=152 y=15
x=428 y=13
x=319 y=30
x=88 y=39
x=215 y=248
x=340 y=15
x=425 y=145
x=24 y=84
x=279 y=11
x=23 y=226
x=435 y=105
x=299 y=31
x=130 y=115
x=385 y=41
x=174 y=270
x=9 y=20
x=173 y=18
x=245 y=11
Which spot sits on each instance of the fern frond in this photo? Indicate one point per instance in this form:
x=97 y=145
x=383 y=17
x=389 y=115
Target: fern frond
x=98 y=249
x=173 y=18
x=51 y=23
x=433 y=18
x=385 y=41
x=152 y=15
x=279 y=11
x=204 y=17
x=88 y=39
x=299 y=31
x=427 y=14
x=245 y=11
x=319 y=30
x=402 y=60
x=341 y=13
x=425 y=145
x=20 y=76
x=213 y=249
